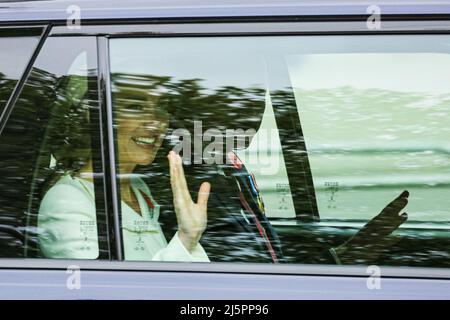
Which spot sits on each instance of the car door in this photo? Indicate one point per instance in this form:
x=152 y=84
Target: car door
x=246 y=78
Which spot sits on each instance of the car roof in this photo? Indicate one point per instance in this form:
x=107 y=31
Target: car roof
x=57 y=10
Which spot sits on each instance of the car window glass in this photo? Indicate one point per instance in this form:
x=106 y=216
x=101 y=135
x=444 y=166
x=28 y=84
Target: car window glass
x=201 y=93
x=274 y=191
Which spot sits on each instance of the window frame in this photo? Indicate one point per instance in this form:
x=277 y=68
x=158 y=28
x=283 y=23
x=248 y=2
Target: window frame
x=314 y=26
x=226 y=268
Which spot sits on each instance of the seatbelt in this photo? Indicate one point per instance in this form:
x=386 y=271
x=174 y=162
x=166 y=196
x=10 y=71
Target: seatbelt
x=247 y=185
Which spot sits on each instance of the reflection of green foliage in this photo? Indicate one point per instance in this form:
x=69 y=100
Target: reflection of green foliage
x=50 y=117
x=6 y=89
x=20 y=140
x=187 y=100
x=20 y=144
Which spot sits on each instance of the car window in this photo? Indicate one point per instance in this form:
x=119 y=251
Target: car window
x=235 y=111
x=263 y=153
x=21 y=45
x=208 y=108
x=48 y=203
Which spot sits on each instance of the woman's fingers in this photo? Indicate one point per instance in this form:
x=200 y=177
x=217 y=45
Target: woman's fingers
x=179 y=183
x=172 y=170
x=203 y=194
x=177 y=188
x=191 y=217
x=181 y=178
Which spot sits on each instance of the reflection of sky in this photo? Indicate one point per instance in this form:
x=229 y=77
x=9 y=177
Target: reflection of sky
x=73 y=57
x=14 y=55
x=239 y=61
x=417 y=72
x=376 y=124
x=217 y=61
x=391 y=100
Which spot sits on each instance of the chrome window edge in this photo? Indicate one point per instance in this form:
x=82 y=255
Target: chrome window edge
x=238 y=268
x=261 y=28
x=336 y=223
x=109 y=154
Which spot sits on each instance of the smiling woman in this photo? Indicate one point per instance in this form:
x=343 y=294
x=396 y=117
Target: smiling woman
x=141 y=124
x=67 y=215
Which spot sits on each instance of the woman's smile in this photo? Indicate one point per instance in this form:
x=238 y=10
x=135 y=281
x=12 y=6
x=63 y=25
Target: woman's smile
x=144 y=142
x=141 y=128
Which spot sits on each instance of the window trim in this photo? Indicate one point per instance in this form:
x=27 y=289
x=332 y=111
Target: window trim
x=108 y=147
x=316 y=26
x=225 y=268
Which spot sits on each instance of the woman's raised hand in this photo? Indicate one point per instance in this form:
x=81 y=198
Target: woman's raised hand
x=191 y=216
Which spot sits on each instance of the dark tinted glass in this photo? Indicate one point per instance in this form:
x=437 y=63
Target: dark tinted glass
x=17 y=48
x=47 y=206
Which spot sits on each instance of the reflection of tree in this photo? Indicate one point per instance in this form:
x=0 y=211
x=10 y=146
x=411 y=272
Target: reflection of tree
x=188 y=101
x=6 y=88
x=225 y=107
x=19 y=148
x=19 y=140
x=49 y=118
